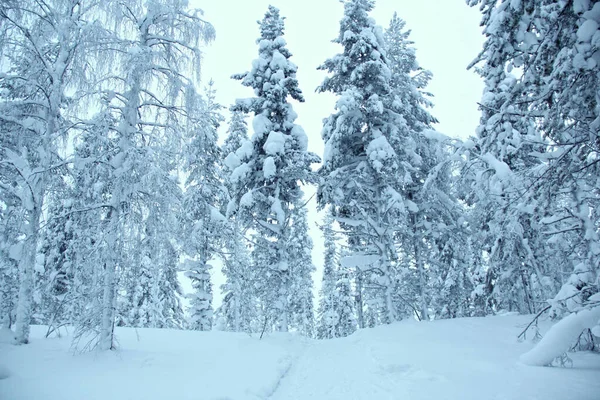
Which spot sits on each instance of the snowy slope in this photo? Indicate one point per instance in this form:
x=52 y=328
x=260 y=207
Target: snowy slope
x=475 y=358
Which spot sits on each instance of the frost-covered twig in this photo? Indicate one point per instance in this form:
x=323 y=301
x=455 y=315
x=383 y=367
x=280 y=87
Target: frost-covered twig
x=534 y=320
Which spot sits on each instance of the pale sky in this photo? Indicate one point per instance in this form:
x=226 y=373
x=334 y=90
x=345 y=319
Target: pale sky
x=447 y=37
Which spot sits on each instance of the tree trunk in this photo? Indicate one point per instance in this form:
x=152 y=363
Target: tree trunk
x=359 y=301
x=109 y=296
x=422 y=285
x=26 y=268
x=389 y=290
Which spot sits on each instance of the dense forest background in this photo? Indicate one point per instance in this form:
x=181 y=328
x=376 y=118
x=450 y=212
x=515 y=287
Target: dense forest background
x=113 y=180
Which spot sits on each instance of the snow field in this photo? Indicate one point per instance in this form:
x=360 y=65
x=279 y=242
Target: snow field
x=462 y=359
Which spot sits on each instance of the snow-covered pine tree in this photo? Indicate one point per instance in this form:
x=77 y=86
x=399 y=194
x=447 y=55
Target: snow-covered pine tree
x=360 y=173
x=57 y=254
x=300 y=247
x=507 y=140
x=205 y=195
x=381 y=168
x=9 y=267
x=268 y=170
x=239 y=308
x=435 y=238
x=344 y=304
x=336 y=315
x=550 y=43
x=327 y=317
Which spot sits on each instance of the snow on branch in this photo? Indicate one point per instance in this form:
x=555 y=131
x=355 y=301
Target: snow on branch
x=561 y=337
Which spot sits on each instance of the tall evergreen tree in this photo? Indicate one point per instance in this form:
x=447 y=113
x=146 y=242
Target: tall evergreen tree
x=9 y=272
x=238 y=308
x=336 y=313
x=543 y=132
x=57 y=254
x=269 y=170
x=326 y=316
x=360 y=169
x=300 y=247
x=381 y=168
x=205 y=196
x=538 y=135
x=506 y=143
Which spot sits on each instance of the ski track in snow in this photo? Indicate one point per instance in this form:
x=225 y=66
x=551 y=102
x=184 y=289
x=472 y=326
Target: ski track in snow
x=463 y=359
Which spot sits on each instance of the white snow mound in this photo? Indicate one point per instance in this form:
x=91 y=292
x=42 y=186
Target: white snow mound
x=561 y=337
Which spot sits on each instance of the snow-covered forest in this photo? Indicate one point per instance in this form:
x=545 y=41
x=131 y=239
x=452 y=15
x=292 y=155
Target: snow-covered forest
x=121 y=175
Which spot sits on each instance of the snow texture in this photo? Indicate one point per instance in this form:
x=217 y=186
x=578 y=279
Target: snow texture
x=245 y=150
x=232 y=161
x=261 y=125
x=269 y=168
x=275 y=143
x=435 y=135
x=4 y=372
x=501 y=168
x=240 y=173
x=587 y=30
x=247 y=199
x=360 y=261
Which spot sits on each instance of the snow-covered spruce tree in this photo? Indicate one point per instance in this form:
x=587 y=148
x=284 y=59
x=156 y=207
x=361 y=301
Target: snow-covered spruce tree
x=336 y=314
x=269 y=170
x=237 y=134
x=94 y=151
x=381 y=169
x=507 y=140
x=408 y=79
x=238 y=309
x=239 y=302
x=168 y=290
x=360 y=166
x=344 y=303
x=205 y=195
x=150 y=283
x=552 y=43
x=43 y=46
x=301 y=267
x=9 y=267
x=149 y=100
x=435 y=239
x=327 y=317
x=57 y=253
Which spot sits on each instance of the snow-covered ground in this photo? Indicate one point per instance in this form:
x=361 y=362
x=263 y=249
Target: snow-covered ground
x=474 y=358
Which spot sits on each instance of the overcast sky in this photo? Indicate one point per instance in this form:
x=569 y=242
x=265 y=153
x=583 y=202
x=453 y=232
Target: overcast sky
x=447 y=37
